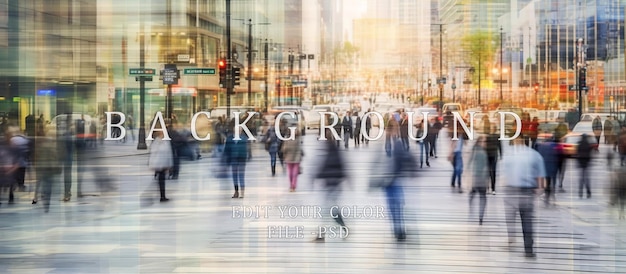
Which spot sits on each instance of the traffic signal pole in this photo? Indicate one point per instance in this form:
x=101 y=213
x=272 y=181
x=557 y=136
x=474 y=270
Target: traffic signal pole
x=581 y=76
x=229 y=58
x=249 y=74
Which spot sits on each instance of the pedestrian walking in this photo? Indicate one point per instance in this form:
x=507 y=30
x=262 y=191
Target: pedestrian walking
x=456 y=158
x=436 y=129
x=618 y=189
x=615 y=132
x=403 y=167
x=533 y=132
x=272 y=146
x=525 y=171
x=236 y=153
x=368 y=127
x=551 y=153
x=596 y=126
x=346 y=125
x=332 y=173
x=494 y=152
x=608 y=130
x=404 y=130
x=357 y=131
x=161 y=159
x=621 y=147
x=560 y=132
x=478 y=165
x=424 y=143
x=20 y=148
x=292 y=151
x=583 y=156
x=48 y=166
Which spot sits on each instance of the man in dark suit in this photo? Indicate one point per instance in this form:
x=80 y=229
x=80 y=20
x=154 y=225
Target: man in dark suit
x=346 y=124
x=404 y=131
x=368 y=126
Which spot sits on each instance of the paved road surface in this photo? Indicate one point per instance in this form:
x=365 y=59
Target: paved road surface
x=203 y=230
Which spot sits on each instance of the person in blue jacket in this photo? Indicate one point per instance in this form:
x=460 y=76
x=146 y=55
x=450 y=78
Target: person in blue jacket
x=236 y=153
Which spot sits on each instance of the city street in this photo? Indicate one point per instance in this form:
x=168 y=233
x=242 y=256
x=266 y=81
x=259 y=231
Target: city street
x=201 y=229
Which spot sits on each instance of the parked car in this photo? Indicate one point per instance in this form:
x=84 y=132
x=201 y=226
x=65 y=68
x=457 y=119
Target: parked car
x=591 y=116
x=546 y=130
x=299 y=119
x=569 y=143
x=59 y=126
x=432 y=113
x=314 y=116
x=583 y=127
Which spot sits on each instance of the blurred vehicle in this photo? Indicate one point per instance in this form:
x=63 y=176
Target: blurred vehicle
x=382 y=107
x=432 y=113
x=569 y=143
x=447 y=111
x=560 y=115
x=313 y=117
x=478 y=122
x=546 y=130
x=588 y=117
x=305 y=111
x=475 y=110
x=509 y=120
x=298 y=120
x=59 y=126
x=453 y=107
x=583 y=127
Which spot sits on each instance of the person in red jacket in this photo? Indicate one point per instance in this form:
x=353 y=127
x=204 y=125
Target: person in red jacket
x=526 y=128
x=533 y=132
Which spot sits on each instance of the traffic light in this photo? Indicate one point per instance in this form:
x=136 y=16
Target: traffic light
x=582 y=78
x=536 y=87
x=429 y=83
x=221 y=64
x=236 y=76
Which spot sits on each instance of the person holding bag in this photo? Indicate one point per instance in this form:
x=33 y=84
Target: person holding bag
x=292 y=151
x=161 y=159
x=272 y=145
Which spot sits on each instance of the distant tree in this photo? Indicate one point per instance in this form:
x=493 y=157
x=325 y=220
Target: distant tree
x=481 y=46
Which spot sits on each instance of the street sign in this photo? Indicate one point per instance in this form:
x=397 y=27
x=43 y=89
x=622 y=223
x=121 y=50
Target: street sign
x=170 y=75
x=199 y=71
x=141 y=71
x=183 y=58
x=500 y=81
x=145 y=78
x=467 y=82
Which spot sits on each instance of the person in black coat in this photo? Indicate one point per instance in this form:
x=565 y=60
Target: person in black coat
x=583 y=155
x=332 y=173
x=368 y=127
x=357 y=132
x=346 y=125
